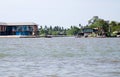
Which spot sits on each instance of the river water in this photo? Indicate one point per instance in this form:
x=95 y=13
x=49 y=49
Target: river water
x=60 y=57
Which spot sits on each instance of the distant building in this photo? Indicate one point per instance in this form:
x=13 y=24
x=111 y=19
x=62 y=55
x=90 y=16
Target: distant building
x=24 y=28
x=86 y=32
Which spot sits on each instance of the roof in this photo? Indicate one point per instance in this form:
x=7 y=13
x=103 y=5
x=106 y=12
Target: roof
x=87 y=30
x=18 y=23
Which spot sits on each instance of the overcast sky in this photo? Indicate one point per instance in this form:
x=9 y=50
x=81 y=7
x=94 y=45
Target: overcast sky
x=58 y=12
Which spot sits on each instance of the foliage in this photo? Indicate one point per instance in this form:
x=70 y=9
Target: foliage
x=114 y=26
x=52 y=30
x=73 y=30
x=103 y=28
x=101 y=24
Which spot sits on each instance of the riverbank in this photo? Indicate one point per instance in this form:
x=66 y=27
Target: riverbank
x=49 y=36
x=17 y=36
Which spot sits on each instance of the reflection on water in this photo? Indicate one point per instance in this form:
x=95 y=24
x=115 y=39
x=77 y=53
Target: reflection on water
x=59 y=57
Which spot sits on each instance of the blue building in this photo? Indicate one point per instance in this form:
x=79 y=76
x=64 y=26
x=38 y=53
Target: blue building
x=23 y=28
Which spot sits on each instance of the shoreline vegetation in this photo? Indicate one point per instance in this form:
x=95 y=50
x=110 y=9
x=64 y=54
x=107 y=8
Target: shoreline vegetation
x=96 y=27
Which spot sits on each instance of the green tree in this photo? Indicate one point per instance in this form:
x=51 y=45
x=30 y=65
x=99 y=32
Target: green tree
x=50 y=30
x=73 y=30
x=41 y=31
x=114 y=26
x=102 y=25
x=113 y=23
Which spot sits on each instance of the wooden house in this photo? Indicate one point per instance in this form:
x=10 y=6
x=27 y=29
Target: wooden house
x=85 y=32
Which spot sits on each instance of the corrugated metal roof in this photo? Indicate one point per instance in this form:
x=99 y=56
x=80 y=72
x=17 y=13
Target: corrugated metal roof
x=18 y=23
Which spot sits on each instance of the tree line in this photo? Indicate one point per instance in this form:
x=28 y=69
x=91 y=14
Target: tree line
x=58 y=30
x=108 y=28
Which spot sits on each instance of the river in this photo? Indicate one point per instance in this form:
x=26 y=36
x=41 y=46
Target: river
x=60 y=57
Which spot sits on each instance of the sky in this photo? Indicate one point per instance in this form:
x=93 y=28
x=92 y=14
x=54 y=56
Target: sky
x=58 y=12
